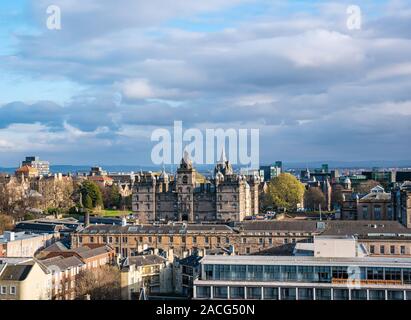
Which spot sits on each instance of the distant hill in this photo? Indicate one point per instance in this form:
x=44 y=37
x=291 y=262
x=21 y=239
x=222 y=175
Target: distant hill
x=207 y=169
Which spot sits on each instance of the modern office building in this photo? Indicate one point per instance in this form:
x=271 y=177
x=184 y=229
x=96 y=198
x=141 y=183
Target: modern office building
x=43 y=167
x=271 y=171
x=331 y=268
x=303 y=278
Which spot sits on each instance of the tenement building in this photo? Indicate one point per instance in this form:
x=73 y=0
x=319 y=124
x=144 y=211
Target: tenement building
x=226 y=197
x=385 y=238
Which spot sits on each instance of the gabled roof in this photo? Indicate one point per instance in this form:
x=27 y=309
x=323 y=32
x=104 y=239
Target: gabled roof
x=62 y=263
x=17 y=272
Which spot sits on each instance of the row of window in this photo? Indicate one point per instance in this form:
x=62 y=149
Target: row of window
x=269 y=240
x=323 y=274
x=12 y=290
x=391 y=250
x=159 y=239
x=377 y=212
x=270 y=293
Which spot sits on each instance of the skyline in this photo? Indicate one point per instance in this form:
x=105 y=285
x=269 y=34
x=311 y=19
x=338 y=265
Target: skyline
x=93 y=91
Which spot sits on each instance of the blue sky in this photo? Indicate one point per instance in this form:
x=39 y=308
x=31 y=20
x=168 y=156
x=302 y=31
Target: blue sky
x=315 y=89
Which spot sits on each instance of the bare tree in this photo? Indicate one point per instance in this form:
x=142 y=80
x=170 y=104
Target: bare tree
x=366 y=186
x=101 y=284
x=313 y=198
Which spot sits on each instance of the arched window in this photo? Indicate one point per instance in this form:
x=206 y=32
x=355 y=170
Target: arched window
x=185 y=179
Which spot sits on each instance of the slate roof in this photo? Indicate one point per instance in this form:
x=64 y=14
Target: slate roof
x=85 y=254
x=155 y=229
x=144 y=260
x=62 y=263
x=17 y=272
x=280 y=225
x=366 y=228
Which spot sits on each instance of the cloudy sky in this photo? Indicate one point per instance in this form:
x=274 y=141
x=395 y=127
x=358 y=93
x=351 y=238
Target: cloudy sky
x=92 y=92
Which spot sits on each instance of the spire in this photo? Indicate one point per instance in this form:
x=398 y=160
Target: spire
x=186 y=161
x=223 y=158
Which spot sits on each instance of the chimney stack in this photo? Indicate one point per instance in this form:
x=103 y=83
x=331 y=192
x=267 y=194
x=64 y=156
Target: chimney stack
x=9 y=235
x=86 y=218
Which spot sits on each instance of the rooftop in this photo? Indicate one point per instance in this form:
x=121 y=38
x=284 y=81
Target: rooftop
x=144 y=260
x=19 y=236
x=308 y=261
x=62 y=263
x=18 y=272
x=156 y=229
x=366 y=228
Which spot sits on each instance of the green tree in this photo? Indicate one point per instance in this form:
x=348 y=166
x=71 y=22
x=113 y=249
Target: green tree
x=111 y=196
x=284 y=191
x=88 y=202
x=89 y=189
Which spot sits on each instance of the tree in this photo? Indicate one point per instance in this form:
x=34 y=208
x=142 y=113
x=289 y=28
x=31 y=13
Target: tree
x=111 y=196
x=284 y=191
x=313 y=198
x=337 y=197
x=6 y=223
x=101 y=284
x=91 y=190
x=88 y=202
x=366 y=186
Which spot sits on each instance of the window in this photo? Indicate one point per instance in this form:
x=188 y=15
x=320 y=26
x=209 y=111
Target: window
x=365 y=212
x=375 y=274
x=372 y=249
x=393 y=274
x=194 y=239
x=402 y=249
x=3 y=290
x=382 y=249
x=389 y=213
x=392 y=249
x=377 y=212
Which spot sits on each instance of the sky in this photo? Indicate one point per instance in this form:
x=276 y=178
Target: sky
x=94 y=91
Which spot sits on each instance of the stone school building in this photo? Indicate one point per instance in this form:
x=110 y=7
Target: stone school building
x=225 y=198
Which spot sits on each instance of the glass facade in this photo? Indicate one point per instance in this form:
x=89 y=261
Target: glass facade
x=237 y=292
x=305 y=294
x=377 y=294
x=311 y=274
x=271 y=293
x=323 y=294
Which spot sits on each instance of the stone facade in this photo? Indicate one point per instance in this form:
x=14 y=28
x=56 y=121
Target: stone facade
x=262 y=237
x=226 y=197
